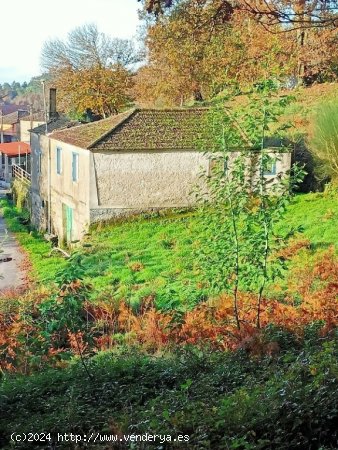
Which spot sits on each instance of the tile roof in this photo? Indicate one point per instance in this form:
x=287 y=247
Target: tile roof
x=55 y=124
x=14 y=117
x=148 y=129
x=85 y=135
x=15 y=148
x=10 y=108
x=36 y=117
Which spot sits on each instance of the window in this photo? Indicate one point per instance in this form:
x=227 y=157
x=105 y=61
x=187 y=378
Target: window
x=75 y=166
x=270 y=168
x=58 y=160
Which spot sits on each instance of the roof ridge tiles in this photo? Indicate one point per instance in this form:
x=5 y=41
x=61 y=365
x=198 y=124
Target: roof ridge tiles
x=107 y=133
x=139 y=129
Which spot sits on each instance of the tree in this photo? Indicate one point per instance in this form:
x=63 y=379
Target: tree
x=192 y=58
x=179 y=55
x=238 y=246
x=90 y=70
x=103 y=90
x=295 y=14
x=201 y=43
x=87 y=47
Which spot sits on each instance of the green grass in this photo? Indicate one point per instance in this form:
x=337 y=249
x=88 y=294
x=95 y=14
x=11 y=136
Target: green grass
x=317 y=213
x=164 y=247
x=145 y=257
x=43 y=267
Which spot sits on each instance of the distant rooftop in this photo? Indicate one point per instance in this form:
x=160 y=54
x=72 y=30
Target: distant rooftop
x=35 y=117
x=14 y=117
x=55 y=124
x=15 y=149
x=141 y=129
x=10 y=108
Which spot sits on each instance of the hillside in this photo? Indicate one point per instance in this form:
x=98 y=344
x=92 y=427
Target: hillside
x=131 y=370
x=153 y=256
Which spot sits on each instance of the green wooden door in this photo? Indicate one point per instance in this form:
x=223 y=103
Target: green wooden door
x=68 y=222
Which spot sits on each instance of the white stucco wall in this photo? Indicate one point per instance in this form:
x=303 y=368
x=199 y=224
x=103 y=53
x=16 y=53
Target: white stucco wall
x=138 y=180
x=63 y=190
x=26 y=125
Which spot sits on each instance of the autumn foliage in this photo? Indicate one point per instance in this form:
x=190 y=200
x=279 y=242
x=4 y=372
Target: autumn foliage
x=108 y=325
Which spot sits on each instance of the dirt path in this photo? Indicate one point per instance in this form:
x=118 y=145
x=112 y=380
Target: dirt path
x=12 y=275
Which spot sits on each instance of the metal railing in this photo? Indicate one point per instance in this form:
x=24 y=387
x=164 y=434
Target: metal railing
x=20 y=173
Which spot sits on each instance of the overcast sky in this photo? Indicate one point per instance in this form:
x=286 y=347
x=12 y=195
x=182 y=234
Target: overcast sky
x=26 y=26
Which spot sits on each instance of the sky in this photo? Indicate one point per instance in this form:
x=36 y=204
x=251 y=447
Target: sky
x=32 y=23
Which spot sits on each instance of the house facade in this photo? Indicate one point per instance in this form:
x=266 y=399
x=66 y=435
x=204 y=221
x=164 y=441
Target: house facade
x=29 y=122
x=10 y=126
x=136 y=161
x=14 y=154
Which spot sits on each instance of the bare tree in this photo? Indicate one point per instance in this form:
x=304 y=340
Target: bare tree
x=87 y=47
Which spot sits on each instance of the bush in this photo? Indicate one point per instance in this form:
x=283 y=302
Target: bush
x=324 y=140
x=221 y=400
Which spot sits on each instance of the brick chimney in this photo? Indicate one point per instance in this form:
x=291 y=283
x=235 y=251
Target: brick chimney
x=52 y=104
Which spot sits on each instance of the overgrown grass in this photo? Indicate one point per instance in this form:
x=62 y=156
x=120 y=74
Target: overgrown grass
x=145 y=257
x=153 y=257
x=220 y=400
x=43 y=267
x=317 y=214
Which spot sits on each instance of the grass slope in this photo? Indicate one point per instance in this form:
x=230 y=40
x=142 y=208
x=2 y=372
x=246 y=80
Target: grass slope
x=153 y=256
x=146 y=257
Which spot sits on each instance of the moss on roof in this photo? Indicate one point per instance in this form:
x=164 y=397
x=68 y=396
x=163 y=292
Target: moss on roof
x=158 y=129
x=176 y=129
x=84 y=136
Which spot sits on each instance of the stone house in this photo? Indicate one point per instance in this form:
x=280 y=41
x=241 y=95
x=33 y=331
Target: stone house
x=136 y=161
x=10 y=126
x=29 y=122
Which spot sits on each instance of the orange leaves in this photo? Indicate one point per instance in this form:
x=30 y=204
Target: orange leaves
x=103 y=90
x=293 y=248
x=109 y=323
x=77 y=343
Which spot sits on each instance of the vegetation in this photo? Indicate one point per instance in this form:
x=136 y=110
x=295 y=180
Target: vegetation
x=42 y=267
x=23 y=93
x=127 y=338
x=239 y=248
x=219 y=400
x=90 y=71
x=218 y=323
x=197 y=48
x=324 y=139
x=294 y=13
x=149 y=290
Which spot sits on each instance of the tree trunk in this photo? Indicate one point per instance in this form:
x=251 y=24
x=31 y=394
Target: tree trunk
x=198 y=97
x=301 y=40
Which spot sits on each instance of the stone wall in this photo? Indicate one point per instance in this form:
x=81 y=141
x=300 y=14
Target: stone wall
x=143 y=180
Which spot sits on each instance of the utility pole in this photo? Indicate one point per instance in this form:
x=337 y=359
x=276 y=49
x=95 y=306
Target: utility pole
x=49 y=193
x=43 y=82
x=2 y=128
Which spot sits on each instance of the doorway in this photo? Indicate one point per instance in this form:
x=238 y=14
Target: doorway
x=68 y=215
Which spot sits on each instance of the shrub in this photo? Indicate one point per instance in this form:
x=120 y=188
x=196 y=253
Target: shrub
x=324 y=140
